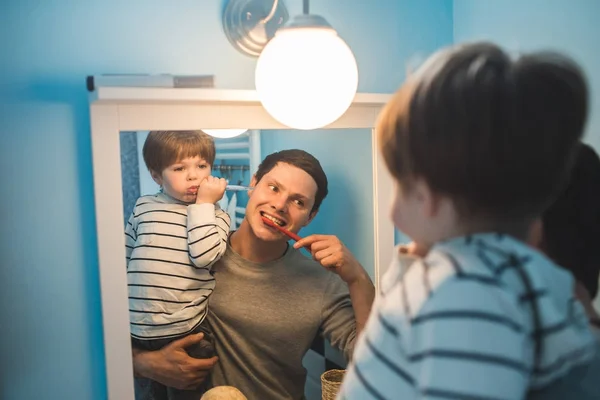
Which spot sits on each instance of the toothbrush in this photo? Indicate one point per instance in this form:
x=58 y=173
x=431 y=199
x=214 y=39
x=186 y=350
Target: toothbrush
x=238 y=188
x=289 y=234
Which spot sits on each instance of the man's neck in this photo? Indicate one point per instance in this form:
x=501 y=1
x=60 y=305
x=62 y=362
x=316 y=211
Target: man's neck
x=248 y=246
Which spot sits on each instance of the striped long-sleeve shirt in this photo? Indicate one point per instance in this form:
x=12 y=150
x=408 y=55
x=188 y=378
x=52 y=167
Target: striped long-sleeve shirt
x=459 y=324
x=170 y=248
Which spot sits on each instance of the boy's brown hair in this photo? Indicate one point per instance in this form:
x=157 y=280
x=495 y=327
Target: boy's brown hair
x=495 y=135
x=164 y=148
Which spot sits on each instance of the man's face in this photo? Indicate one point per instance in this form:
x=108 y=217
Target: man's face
x=286 y=195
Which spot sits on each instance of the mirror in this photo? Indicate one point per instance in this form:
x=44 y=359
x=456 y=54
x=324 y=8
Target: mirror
x=356 y=208
x=346 y=157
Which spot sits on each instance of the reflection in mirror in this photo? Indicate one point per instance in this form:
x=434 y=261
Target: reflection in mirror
x=170 y=245
x=347 y=211
x=236 y=160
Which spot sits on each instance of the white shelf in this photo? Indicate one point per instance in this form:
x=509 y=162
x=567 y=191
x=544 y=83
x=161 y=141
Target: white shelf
x=114 y=94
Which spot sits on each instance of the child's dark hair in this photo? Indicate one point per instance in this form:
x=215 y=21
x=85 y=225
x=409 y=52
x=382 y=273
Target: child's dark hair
x=164 y=148
x=299 y=159
x=571 y=226
x=495 y=135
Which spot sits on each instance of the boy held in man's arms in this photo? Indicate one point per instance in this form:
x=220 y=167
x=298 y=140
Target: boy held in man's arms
x=172 y=239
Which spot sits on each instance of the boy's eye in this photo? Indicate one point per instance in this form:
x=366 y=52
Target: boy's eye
x=178 y=169
x=202 y=166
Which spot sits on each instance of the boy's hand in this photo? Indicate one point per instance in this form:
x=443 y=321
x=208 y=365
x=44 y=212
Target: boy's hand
x=211 y=190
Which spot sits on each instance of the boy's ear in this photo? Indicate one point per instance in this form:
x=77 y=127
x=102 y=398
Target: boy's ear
x=428 y=200
x=156 y=177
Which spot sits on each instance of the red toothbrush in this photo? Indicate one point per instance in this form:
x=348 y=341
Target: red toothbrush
x=289 y=234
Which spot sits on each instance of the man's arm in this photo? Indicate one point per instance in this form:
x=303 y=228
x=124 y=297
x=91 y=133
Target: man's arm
x=331 y=253
x=172 y=366
x=362 y=295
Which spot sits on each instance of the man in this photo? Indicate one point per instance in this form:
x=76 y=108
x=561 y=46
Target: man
x=270 y=301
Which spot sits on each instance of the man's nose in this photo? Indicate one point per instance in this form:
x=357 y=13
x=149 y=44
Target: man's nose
x=280 y=202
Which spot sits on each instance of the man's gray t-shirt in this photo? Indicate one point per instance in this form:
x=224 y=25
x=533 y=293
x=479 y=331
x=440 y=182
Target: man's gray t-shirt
x=265 y=316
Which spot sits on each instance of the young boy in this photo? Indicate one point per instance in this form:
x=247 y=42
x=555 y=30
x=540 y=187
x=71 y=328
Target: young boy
x=172 y=240
x=478 y=145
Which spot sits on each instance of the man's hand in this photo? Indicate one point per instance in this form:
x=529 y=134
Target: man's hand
x=331 y=253
x=172 y=366
x=211 y=190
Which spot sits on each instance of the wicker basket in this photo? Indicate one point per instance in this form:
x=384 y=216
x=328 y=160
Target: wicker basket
x=330 y=383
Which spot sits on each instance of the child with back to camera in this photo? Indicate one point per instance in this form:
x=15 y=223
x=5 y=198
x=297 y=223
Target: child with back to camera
x=478 y=145
x=172 y=239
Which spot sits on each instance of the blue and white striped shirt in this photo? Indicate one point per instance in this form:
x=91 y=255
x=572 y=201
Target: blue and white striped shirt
x=460 y=324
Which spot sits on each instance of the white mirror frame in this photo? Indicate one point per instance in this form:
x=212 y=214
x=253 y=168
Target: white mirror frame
x=117 y=109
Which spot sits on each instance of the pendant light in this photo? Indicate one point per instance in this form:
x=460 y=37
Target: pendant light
x=306 y=76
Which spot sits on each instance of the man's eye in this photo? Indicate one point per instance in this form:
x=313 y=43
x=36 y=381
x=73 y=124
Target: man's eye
x=299 y=203
x=273 y=188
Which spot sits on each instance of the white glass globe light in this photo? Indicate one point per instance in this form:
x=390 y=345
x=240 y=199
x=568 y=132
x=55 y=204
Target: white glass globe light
x=224 y=133
x=306 y=77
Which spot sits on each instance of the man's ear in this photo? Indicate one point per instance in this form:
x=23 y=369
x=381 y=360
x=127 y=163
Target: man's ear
x=253 y=183
x=311 y=216
x=156 y=177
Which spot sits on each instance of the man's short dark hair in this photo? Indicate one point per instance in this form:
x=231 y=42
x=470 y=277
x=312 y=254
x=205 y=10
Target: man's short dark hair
x=299 y=159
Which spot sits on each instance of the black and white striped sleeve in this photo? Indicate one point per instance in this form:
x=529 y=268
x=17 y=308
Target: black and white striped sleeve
x=207 y=231
x=130 y=238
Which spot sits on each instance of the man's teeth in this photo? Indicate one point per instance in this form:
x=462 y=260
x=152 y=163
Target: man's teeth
x=276 y=220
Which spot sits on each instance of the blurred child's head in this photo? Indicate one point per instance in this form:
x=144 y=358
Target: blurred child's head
x=477 y=141
x=570 y=227
x=179 y=160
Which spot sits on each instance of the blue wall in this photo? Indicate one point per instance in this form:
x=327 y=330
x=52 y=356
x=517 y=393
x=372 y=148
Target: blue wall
x=568 y=26
x=345 y=155
x=49 y=296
